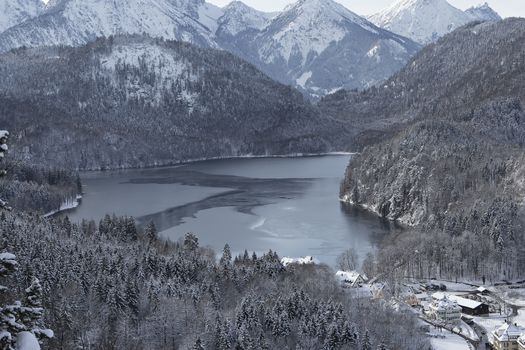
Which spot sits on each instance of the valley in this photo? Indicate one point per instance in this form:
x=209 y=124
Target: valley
x=178 y=175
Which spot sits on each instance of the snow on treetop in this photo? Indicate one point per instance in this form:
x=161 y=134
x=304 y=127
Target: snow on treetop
x=4 y=133
x=300 y=261
x=7 y=256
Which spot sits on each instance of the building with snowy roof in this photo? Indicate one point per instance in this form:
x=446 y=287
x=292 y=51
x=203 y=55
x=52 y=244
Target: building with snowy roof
x=445 y=310
x=468 y=306
x=351 y=279
x=506 y=337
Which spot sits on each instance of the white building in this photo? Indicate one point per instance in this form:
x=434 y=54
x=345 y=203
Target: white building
x=506 y=337
x=445 y=310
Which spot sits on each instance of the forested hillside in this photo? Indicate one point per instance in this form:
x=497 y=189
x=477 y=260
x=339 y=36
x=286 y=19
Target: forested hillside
x=454 y=168
x=476 y=63
x=135 y=101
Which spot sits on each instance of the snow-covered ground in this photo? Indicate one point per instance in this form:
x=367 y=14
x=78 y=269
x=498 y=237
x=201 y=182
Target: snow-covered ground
x=520 y=318
x=511 y=296
x=467 y=331
x=446 y=340
x=490 y=323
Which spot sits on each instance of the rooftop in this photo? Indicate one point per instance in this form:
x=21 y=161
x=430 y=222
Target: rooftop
x=508 y=331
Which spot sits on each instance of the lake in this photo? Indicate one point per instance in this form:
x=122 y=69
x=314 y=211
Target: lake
x=289 y=205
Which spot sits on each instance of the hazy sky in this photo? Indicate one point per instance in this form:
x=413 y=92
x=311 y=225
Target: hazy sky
x=506 y=8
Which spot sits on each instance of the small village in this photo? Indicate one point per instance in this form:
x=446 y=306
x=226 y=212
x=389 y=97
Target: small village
x=456 y=315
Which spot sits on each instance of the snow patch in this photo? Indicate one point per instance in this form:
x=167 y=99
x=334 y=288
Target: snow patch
x=303 y=79
x=26 y=341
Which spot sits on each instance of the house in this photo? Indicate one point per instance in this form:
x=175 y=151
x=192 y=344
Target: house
x=445 y=310
x=506 y=337
x=483 y=291
x=416 y=299
x=472 y=307
x=468 y=306
x=351 y=279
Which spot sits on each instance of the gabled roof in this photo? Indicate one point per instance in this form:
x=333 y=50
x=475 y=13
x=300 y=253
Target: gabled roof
x=350 y=276
x=508 y=331
x=463 y=302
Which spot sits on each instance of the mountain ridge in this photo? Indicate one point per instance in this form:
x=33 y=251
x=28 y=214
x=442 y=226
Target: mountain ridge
x=263 y=39
x=424 y=21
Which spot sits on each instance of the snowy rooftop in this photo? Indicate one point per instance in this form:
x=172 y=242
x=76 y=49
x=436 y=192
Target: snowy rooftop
x=463 y=302
x=350 y=276
x=508 y=331
x=445 y=304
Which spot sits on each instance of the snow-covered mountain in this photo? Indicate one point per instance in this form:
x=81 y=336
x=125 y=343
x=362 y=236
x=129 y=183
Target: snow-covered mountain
x=483 y=13
x=76 y=22
x=316 y=45
x=321 y=46
x=13 y=12
x=427 y=20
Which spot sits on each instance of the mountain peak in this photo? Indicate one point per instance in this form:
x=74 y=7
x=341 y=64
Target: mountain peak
x=421 y=20
x=239 y=17
x=483 y=12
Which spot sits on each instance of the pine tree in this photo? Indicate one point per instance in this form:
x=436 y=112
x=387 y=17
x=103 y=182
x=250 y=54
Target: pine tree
x=226 y=256
x=382 y=346
x=32 y=312
x=151 y=233
x=332 y=338
x=198 y=345
x=366 y=343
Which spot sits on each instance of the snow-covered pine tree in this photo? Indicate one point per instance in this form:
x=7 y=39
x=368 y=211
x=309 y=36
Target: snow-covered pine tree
x=31 y=312
x=198 y=345
x=226 y=256
x=151 y=232
x=366 y=343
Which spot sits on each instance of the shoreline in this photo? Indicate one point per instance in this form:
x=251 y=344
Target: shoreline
x=205 y=159
x=65 y=206
x=75 y=203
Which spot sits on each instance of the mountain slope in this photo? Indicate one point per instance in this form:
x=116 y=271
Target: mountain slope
x=13 y=12
x=427 y=20
x=76 y=22
x=320 y=46
x=135 y=101
x=450 y=157
x=458 y=73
